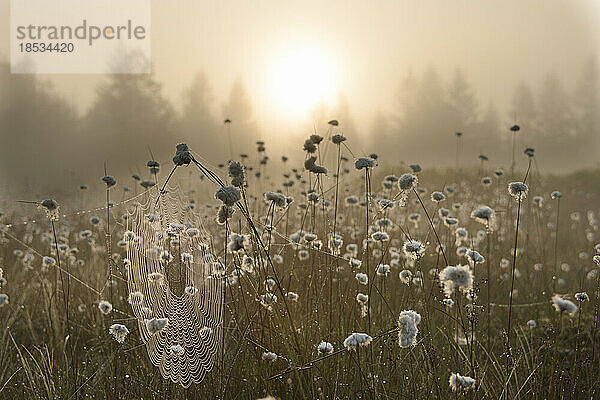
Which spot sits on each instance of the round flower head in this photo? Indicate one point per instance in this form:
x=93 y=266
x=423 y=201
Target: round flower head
x=475 y=257
x=531 y=324
x=156 y=325
x=182 y=155
x=338 y=139
x=269 y=356
x=135 y=297
x=407 y=325
x=406 y=276
x=224 y=214
x=413 y=249
x=364 y=162
x=236 y=173
x=362 y=298
x=407 y=182
x=277 y=198
x=177 y=350
x=229 y=195
x=355 y=340
x=582 y=296
x=518 y=190
x=325 y=348
x=562 y=305
x=483 y=215
x=438 y=196
x=316 y=139
x=383 y=269
x=450 y=221
x=51 y=208
x=555 y=195
x=147 y=184
x=459 y=383
x=311 y=166
x=109 y=180
x=415 y=168
x=309 y=146
x=119 y=332
x=363 y=279
x=267 y=300
x=529 y=151
x=48 y=261
x=456 y=277
x=105 y=307
x=380 y=236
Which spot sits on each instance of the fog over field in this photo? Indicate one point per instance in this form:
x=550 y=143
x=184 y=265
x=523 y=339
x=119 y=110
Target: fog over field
x=270 y=200
x=401 y=77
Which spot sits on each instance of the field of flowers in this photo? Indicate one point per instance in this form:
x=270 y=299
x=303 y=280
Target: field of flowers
x=345 y=276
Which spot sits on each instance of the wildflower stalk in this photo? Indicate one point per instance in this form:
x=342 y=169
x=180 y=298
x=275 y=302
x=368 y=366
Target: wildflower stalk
x=555 y=264
x=575 y=378
x=335 y=211
x=596 y=293
x=368 y=195
x=432 y=227
x=225 y=283
x=555 y=357
x=512 y=285
x=66 y=289
x=489 y=287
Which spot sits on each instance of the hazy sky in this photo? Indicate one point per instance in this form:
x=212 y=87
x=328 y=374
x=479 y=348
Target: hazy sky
x=312 y=49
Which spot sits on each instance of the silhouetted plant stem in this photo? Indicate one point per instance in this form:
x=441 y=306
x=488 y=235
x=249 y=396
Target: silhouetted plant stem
x=512 y=285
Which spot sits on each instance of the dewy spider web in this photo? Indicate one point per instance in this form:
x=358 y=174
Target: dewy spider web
x=189 y=295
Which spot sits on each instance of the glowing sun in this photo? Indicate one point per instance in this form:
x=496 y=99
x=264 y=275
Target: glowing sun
x=301 y=78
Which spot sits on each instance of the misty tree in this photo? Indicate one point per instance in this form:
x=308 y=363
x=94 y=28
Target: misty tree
x=587 y=105
x=128 y=116
x=38 y=128
x=557 y=131
x=199 y=127
x=462 y=102
x=524 y=112
x=554 y=109
x=487 y=137
x=425 y=118
x=242 y=128
x=407 y=93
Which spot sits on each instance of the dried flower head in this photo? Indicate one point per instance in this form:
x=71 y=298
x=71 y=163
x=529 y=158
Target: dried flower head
x=456 y=277
x=325 y=348
x=355 y=340
x=407 y=325
x=105 y=307
x=229 y=195
x=563 y=305
x=459 y=383
x=119 y=332
x=407 y=182
x=156 y=325
x=364 y=162
x=182 y=155
x=518 y=190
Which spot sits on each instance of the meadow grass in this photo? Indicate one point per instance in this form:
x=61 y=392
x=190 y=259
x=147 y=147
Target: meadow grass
x=293 y=285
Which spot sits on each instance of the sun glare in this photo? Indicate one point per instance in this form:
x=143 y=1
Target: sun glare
x=300 y=79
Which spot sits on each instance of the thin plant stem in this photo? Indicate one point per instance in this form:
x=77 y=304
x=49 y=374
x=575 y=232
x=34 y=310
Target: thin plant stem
x=512 y=285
